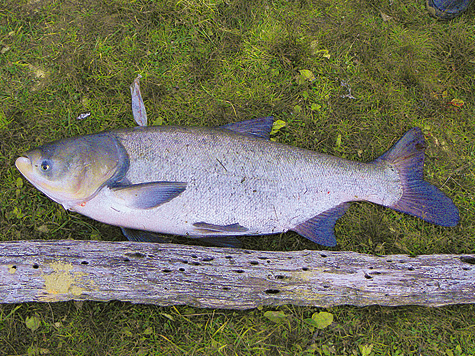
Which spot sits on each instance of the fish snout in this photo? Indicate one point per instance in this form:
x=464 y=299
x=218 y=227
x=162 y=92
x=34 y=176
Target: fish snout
x=23 y=164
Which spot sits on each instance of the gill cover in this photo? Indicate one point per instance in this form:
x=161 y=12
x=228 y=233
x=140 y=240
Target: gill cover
x=72 y=171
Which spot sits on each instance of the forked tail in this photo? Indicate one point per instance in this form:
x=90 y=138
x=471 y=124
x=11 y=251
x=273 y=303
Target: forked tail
x=419 y=197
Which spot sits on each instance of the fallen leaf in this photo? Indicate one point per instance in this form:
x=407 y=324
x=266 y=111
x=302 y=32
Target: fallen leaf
x=385 y=17
x=276 y=126
x=138 y=106
x=43 y=228
x=457 y=102
x=320 y=320
x=33 y=323
x=275 y=316
x=307 y=75
x=35 y=350
x=39 y=73
x=365 y=349
x=338 y=141
x=314 y=47
x=168 y=316
x=315 y=107
x=324 y=53
x=148 y=331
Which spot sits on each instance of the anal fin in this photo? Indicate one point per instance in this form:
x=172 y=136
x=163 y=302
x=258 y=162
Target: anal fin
x=320 y=228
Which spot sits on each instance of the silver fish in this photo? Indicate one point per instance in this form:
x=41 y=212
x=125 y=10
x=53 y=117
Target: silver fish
x=227 y=181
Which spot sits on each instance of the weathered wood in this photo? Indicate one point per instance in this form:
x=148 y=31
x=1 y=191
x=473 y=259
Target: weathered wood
x=167 y=274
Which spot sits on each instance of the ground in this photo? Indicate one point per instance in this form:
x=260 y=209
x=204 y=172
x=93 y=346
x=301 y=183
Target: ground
x=347 y=77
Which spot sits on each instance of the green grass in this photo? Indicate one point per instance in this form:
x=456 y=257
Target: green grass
x=214 y=62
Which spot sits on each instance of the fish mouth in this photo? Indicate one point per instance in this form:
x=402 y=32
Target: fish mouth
x=24 y=165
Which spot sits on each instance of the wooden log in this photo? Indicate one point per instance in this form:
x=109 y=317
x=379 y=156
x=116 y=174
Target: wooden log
x=168 y=274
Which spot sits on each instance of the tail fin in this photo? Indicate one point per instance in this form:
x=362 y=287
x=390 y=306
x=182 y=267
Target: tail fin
x=419 y=197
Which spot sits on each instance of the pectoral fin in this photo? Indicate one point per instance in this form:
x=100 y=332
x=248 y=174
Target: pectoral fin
x=319 y=229
x=148 y=195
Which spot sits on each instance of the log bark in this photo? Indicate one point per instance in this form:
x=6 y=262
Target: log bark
x=167 y=274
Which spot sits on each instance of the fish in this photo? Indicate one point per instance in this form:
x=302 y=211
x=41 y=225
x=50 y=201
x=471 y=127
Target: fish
x=227 y=181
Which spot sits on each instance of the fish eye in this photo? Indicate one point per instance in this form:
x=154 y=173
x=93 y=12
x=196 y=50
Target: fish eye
x=45 y=166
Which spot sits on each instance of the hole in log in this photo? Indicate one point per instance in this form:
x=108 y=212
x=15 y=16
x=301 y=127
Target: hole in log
x=194 y=256
x=239 y=271
x=262 y=258
x=184 y=261
x=464 y=268
x=254 y=263
x=135 y=254
x=410 y=268
x=14 y=267
x=196 y=263
x=370 y=267
x=304 y=268
x=126 y=260
x=280 y=276
x=468 y=259
x=228 y=257
x=367 y=276
x=181 y=269
x=272 y=291
x=323 y=255
x=326 y=286
x=226 y=288
x=84 y=263
x=208 y=259
x=389 y=261
x=35 y=266
x=166 y=271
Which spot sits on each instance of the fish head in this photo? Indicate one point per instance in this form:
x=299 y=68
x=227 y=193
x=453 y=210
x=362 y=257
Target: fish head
x=72 y=171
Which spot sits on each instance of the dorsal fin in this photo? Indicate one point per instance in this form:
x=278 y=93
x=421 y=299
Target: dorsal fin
x=260 y=127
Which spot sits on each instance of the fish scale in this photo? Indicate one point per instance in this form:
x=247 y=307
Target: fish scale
x=283 y=186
